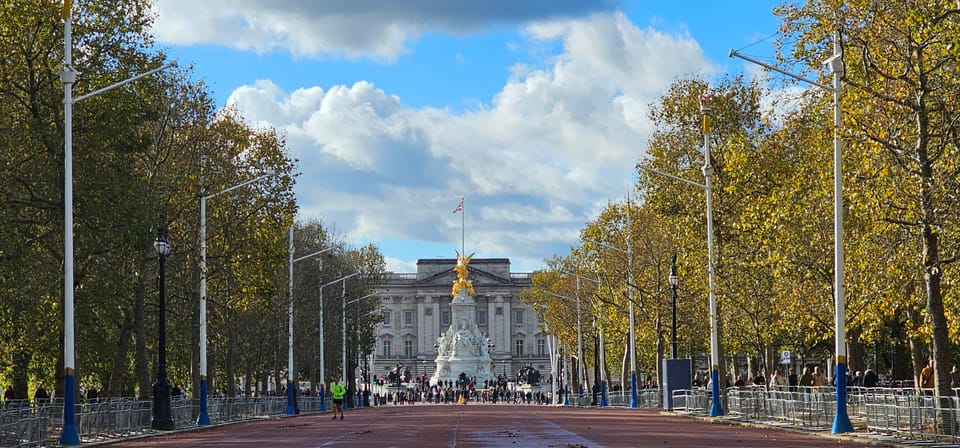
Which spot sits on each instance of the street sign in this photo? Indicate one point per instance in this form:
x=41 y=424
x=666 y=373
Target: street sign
x=785 y=357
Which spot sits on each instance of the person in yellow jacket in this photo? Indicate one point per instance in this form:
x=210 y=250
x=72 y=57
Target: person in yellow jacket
x=338 y=392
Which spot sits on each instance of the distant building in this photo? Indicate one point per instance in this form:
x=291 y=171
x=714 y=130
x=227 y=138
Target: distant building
x=416 y=309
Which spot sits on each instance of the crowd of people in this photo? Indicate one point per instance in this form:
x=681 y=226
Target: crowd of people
x=500 y=390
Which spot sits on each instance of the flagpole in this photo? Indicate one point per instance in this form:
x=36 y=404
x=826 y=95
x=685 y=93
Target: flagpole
x=462 y=232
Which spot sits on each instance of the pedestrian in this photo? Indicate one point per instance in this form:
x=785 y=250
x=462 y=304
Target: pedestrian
x=806 y=378
x=776 y=380
x=926 y=376
x=818 y=378
x=954 y=378
x=760 y=379
x=93 y=395
x=338 y=392
x=40 y=396
x=870 y=378
x=792 y=380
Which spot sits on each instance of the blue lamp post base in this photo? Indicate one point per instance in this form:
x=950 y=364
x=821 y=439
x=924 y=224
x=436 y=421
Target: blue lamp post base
x=716 y=409
x=841 y=421
x=203 y=419
x=323 y=400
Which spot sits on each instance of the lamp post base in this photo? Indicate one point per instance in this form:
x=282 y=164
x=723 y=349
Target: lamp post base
x=716 y=409
x=841 y=421
x=323 y=400
x=162 y=419
x=203 y=419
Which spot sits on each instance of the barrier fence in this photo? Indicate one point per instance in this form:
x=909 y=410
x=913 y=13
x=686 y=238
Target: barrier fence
x=905 y=413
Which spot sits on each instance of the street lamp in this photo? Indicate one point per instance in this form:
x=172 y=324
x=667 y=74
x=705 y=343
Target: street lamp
x=716 y=408
x=841 y=422
x=69 y=434
x=581 y=365
x=162 y=419
x=596 y=364
x=343 y=327
x=673 y=290
x=344 y=348
x=631 y=345
x=579 y=331
x=323 y=380
x=291 y=390
x=203 y=418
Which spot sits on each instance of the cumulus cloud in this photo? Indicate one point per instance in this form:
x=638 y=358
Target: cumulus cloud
x=378 y=29
x=535 y=163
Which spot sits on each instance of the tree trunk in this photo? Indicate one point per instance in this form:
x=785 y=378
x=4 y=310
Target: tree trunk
x=120 y=363
x=230 y=364
x=141 y=358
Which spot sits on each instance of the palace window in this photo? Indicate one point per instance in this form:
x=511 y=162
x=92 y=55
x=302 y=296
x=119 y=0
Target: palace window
x=518 y=347
x=407 y=318
x=481 y=317
x=408 y=349
x=518 y=317
x=386 y=348
x=541 y=347
x=445 y=317
x=387 y=318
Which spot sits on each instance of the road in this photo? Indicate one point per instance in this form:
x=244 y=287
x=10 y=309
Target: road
x=491 y=426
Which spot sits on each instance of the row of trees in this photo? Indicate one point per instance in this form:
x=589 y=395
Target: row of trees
x=773 y=199
x=143 y=155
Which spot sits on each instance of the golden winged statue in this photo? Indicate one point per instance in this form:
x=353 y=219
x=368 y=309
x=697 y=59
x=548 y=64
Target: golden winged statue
x=461 y=282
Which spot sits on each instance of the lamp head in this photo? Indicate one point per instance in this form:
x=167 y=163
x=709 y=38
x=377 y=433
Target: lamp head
x=161 y=245
x=835 y=63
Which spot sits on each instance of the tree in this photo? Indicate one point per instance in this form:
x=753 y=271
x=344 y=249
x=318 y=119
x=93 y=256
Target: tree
x=904 y=130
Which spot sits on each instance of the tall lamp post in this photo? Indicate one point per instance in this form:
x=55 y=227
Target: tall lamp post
x=68 y=76
x=841 y=421
x=323 y=380
x=361 y=372
x=579 y=332
x=343 y=327
x=203 y=418
x=162 y=419
x=596 y=363
x=291 y=390
x=631 y=344
x=674 y=280
x=716 y=408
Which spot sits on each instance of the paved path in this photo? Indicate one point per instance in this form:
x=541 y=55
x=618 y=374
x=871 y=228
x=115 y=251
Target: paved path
x=491 y=426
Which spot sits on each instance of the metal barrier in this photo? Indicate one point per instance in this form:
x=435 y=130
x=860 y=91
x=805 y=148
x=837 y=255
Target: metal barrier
x=904 y=413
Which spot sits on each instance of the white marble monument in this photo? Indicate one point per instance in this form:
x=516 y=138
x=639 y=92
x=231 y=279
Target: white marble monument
x=463 y=348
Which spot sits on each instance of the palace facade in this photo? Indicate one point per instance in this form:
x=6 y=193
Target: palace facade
x=416 y=310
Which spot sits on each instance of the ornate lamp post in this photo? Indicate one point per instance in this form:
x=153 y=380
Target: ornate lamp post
x=162 y=419
x=673 y=292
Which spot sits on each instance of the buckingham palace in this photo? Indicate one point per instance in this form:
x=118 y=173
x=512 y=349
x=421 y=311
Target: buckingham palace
x=416 y=310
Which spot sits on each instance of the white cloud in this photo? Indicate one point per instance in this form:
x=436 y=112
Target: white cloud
x=537 y=163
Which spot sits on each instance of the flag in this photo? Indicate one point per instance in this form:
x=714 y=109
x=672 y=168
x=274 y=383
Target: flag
x=459 y=207
x=65 y=10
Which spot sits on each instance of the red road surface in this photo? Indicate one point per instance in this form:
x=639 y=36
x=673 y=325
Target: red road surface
x=491 y=426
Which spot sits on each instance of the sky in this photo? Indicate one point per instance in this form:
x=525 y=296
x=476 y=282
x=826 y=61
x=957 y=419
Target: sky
x=532 y=111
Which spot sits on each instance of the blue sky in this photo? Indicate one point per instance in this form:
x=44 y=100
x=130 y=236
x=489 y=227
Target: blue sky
x=533 y=110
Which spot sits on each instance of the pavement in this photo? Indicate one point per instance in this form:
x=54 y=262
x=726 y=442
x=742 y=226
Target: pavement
x=496 y=426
